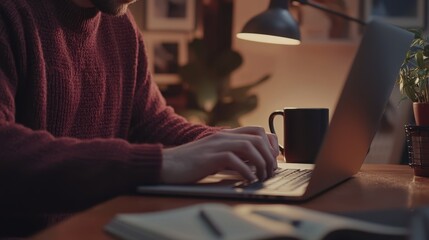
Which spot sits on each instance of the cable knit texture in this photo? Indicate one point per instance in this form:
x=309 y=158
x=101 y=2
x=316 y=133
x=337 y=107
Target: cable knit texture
x=80 y=119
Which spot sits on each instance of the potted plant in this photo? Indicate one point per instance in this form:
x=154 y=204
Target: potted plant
x=413 y=77
x=212 y=99
x=413 y=84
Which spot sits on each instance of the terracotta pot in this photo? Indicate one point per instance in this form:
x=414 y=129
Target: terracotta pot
x=421 y=113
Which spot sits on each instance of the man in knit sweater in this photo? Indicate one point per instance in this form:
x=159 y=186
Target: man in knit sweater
x=81 y=121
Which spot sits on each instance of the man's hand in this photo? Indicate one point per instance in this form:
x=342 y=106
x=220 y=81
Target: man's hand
x=227 y=149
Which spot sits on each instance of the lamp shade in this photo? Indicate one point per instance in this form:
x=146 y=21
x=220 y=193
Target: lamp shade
x=275 y=25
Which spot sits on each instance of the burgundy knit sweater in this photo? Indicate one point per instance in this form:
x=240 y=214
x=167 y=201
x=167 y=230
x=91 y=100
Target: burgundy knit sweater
x=80 y=119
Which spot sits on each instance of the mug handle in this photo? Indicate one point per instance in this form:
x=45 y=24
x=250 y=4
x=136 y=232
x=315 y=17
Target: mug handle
x=271 y=124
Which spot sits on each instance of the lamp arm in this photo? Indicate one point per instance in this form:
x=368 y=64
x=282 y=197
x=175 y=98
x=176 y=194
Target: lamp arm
x=320 y=7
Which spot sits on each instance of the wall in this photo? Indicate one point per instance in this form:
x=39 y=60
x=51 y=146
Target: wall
x=308 y=75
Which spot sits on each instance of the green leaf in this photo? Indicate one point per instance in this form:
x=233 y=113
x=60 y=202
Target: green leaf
x=419 y=59
x=226 y=63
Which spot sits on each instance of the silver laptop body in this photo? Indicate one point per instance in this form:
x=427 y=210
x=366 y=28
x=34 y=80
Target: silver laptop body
x=353 y=125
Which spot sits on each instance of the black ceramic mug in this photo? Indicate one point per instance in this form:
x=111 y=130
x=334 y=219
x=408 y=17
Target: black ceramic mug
x=304 y=129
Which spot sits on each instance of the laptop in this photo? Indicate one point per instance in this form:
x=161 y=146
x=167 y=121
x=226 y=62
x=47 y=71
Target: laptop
x=353 y=125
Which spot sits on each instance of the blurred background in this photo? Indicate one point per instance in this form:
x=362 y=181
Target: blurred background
x=209 y=76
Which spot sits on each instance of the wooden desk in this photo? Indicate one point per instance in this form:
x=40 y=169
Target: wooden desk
x=375 y=187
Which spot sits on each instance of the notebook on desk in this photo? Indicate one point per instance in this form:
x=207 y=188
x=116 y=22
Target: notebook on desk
x=353 y=125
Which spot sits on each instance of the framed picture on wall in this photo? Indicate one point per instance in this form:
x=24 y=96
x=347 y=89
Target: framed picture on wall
x=403 y=13
x=319 y=26
x=170 y=15
x=166 y=53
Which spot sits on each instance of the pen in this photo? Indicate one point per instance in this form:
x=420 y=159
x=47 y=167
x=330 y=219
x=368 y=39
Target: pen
x=210 y=224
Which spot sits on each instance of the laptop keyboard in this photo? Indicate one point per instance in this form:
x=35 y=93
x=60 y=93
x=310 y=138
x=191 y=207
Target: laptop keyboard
x=283 y=180
x=288 y=179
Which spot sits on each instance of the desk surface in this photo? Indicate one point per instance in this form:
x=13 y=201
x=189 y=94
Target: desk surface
x=377 y=186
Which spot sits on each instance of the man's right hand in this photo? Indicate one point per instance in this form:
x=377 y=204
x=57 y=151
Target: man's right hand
x=227 y=149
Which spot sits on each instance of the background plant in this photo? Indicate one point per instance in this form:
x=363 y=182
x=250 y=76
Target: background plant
x=414 y=72
x=212 y=99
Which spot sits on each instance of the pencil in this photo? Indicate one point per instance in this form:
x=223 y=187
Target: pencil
x=210 y=224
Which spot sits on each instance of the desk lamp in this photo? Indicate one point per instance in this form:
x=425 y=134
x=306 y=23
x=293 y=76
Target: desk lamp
x=277 y=26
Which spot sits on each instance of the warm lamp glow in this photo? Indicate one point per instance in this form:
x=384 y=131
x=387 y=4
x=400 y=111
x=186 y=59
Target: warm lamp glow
x=267 y=39
x=277 y=26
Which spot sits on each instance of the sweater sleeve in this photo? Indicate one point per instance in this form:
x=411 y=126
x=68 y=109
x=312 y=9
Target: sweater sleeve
x=43 y=173
x=154 y=121
x=60 y=174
